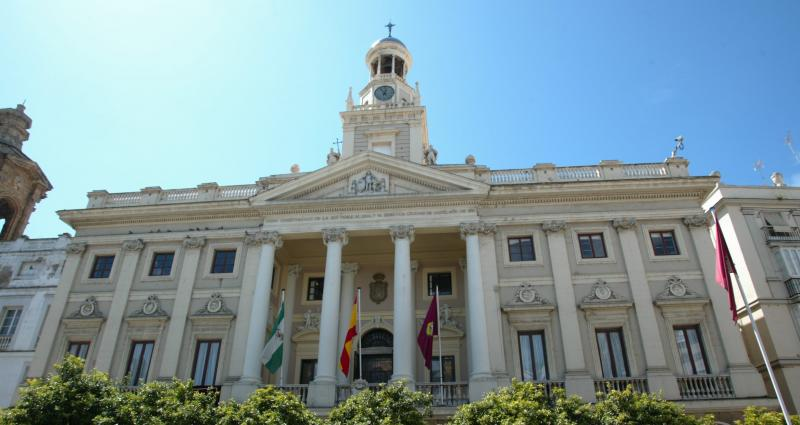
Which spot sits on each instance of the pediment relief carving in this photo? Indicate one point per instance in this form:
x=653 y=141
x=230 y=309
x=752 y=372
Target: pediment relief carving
x=602 y=296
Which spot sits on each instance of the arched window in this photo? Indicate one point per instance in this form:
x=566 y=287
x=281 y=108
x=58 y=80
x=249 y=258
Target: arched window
x=7 y=213
x=376 y=353
x=377 y=338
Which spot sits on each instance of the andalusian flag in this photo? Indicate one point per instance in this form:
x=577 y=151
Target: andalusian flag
x=272 y=356
x=352 y=331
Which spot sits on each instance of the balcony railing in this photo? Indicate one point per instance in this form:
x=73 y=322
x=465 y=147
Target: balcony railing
x=550 y=385
x=5 y=342
x=343 y=392
x=793 y=287
x=781 y=234
x=607 y=170
x=638 y=385
x=709 y=387
x=447 y=394
x=300 y=390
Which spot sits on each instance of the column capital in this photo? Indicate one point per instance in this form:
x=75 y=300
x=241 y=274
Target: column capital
x=554 y=226
x=294 y=270
x=414 y=266
x=194 y=243
x=133 y=245
x=335 y=234
x=476 y=227
x=699 y=220
x=264 y=238
x=76 y=247
x=349 y=268
x=462 y=263
x=624 y=223
x=402 y=231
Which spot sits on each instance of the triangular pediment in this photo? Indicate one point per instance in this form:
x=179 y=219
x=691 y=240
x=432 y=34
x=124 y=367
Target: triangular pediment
x=371 y=174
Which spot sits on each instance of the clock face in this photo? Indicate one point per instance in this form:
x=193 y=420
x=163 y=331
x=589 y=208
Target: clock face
x=384 y=92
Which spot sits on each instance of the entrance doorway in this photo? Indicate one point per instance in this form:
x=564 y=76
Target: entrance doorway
x=376 y=353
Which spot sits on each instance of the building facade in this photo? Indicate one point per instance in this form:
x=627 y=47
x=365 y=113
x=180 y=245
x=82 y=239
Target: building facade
x=576 y=277
x=763 y=225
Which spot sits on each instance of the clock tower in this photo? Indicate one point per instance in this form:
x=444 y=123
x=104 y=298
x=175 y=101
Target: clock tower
x=388 y=117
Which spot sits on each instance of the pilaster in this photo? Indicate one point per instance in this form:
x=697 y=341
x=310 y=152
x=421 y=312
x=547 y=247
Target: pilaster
x=292 y=280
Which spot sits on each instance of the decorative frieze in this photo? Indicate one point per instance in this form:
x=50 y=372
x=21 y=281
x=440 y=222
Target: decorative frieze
x=402 y=231
x=150 y=308
x=624 y=223
x=368 y=184
x=554 y=226
x=87 y=310
x=133 y=245
x=335 y=234
x=194 y=243
x=215 y=306
x=700 y=220
x=76 y=247
x=264 y=237
x=477 y=227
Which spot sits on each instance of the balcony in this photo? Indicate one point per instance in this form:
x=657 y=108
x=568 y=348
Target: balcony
x=300 y=390
x=708 y=387
x=793 y=287
x=448 y=394
x=781 y=234
x=5 y=342
x=638 y=385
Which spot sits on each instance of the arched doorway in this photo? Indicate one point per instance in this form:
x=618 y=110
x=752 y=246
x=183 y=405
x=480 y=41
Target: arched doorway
x=376 y=353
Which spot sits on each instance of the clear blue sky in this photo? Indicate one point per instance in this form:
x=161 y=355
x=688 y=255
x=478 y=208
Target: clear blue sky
x=125 y=95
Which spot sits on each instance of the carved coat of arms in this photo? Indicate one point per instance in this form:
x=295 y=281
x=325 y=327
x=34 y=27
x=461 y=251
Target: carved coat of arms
x=378 y=288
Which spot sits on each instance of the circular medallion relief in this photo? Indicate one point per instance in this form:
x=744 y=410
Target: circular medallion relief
x=602 y=292
x=527 y=294
x=149 y=307
x=214 y=305
x=677 y=289
x=87 y=309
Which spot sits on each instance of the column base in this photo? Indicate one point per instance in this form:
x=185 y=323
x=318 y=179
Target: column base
x=663 y=380
x=407 y=380
x=241 y=389
x=503 y=380
x=746 y=381
x=322 y=392
x=480 y=385
x=580 y=384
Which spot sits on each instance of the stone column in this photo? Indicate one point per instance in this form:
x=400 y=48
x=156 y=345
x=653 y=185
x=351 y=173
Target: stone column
x=180 y=310
x=69 y=274
x=291 y=294
x=747 y=382
x=108 y=341
x=349 y=272
x=491 y=300
x=659 y=376
x=405 y=343
x=259 y=311
x=481 y=380
x=322 y=391
x=577 y=378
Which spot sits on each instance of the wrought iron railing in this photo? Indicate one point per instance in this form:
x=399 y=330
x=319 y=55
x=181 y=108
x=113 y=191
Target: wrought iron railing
x=793 y=287
x=447 y=393
x=5 y=342
x=705 y=387
x=781 y=234
x=604 y=385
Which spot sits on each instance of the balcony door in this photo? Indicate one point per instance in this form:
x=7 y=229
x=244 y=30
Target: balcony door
x=376 y=353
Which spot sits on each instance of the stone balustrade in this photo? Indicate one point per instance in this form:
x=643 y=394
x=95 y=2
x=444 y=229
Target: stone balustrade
x=447 y=394
x=606 y=170
x=300 y=390
x=604 y=385
x=156 y=195
x=705 y=387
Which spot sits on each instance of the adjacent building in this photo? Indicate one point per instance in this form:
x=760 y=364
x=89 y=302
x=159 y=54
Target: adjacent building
x=579 y=277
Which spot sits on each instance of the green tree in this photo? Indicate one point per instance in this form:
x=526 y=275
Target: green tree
x=524 y=403
x=267 y=406
x=69 y=397
x=633 y=408
x=392 y=404
x=762 y=416
x=163 y=403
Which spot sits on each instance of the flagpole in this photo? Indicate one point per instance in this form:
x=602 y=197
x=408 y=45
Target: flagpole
x=759 y=342
x=439 y=334
x=358 y=331
x=283 y=348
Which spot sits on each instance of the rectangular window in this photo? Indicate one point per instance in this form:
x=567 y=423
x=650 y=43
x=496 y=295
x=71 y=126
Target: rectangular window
x=521 y=249
x=101 y=268
x=443 y=280
x=308 y=369
x=613 y=359
x=533 y=356
x=315 y=287
x=78 y=349
x=206 y=357
x=690 y=347
x=664 y=243
x=139 y=361
x=10 y=321
x=449 y=369
x=592 y=245
x=223 y=261
x=162 y=264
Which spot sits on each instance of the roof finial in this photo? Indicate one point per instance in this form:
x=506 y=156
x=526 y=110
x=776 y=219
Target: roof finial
x=390 y=25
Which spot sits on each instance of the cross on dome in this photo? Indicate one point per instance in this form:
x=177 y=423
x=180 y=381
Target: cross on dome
x=390 y=25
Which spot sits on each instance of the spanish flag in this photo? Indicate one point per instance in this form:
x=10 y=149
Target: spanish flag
x=352 y=331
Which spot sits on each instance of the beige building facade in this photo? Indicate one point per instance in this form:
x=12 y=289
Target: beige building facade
x=576 y=277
